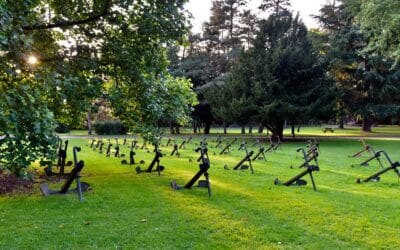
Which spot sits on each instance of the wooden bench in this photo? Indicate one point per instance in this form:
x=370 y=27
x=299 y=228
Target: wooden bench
x=328 y=129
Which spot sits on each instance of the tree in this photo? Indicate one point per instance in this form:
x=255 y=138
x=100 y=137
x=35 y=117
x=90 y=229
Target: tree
x=275 y=6
x=231 y=9
x=289 y=82
x=279 y=78
x=217 y=97
x=116 y=48
x=380 y=21
x=26 y=124
x=202 y=115
x=362 y=78
x=247 y=28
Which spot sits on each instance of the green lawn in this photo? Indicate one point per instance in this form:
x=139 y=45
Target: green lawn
x=305 y=131
x=127 y=210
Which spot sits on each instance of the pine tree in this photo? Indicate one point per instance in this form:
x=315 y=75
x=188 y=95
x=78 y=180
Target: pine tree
x=275 y=6
x=247 y=29
x=363 y=79
x=288 y=82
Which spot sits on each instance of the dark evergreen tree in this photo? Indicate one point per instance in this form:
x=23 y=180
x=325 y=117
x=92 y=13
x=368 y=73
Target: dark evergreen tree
x=289 y=82
x=367 y=82
x=247 y=29
x=275 y=6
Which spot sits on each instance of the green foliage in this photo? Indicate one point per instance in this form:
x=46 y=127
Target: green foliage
x=26 y=125
x=278 y=79
x=275 y=6
x=380 y=21
x=166 y=98
x=368 y=83
x=26 y=122
x=110 y=128
x=116 y=51
x=62 y=128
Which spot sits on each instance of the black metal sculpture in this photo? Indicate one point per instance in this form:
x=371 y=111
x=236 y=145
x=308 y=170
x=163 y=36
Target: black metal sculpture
x=203 y=142
x=374 y=156
x=144 y=145
x=168 y=142
x=98 y=144
x=131 y=155
x=61 y=161
x=108 y=152
x=261 y=151
x=376 y=177
x=311 y=155
x=227 y=147
x=257 y=142
x=204 y=166
x=219 y=143
x=242 y=146
x=247 y=158
x=101 y=147
x=134 y=143
x=297 y=179
x=182 y=145
x=278 y=144
x=75 y=175
x=92 y=143
x=366 y=148
x=156 y=161
x=62 y=156
x=175 y=150
x=116 y=153
x=271 y=145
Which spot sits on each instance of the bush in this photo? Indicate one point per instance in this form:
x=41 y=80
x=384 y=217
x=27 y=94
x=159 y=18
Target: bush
x=62 y=128
x=110 y=128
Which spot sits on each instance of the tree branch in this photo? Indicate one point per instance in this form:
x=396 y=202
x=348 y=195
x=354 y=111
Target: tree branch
x=62 y=24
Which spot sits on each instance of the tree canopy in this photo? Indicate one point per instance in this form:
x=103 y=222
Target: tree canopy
x=368 y=83
x=82 y=50
x=278 y=79
x=380 y=21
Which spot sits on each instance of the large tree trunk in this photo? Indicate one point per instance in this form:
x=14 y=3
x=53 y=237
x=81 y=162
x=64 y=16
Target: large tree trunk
x=225 y=129
x=293 y=131
x=261 y=129
x=177 y=129
x=89 y=122
x=277 y=131
x=250 y=129
x=243 y=130
x=366 y=126
x=207 y=127
x=194 y=127
x=341 y=122
x=171 y=128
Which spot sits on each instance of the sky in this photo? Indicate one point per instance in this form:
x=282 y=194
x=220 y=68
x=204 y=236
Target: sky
x=200 y=10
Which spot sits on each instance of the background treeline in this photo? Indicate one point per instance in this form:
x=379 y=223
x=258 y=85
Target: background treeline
x=267 y=72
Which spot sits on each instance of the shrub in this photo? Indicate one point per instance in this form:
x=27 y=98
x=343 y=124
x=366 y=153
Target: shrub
x=110 y=128
x=62 y=128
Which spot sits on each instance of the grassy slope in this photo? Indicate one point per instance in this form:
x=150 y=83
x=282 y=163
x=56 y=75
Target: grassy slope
x=126 y=210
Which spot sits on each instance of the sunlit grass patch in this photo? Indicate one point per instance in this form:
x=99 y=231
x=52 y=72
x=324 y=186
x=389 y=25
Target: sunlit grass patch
x=129 y=210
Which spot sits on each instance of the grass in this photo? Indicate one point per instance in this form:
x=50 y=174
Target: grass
x=305 y=131
x=127 y=210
